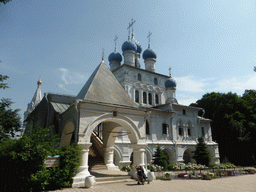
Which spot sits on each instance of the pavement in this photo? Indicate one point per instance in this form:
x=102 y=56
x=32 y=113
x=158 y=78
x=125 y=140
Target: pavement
x=243 y=183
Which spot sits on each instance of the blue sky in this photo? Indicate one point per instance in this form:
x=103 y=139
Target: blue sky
x=209 y=44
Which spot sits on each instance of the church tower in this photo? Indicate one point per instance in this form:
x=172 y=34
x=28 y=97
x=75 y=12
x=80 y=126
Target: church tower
x=35 y=100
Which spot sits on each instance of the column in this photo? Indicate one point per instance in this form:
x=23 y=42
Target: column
x=138 y=157
x=109 y=158
x=78 y=180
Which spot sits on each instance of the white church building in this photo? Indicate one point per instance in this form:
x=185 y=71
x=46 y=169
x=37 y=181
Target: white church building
x=123 y=112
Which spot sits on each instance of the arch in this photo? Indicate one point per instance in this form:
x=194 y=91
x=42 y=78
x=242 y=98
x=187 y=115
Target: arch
x=145 y=97
x=155 y=81
x=67 y=134
x=187 y=156
x=212 y=155
x=119 y=121
x=149 y=156
x=139 y=77
x=137 y=96
x=171 y=156
x=149 y=98
x=117 y=155
x=156 y=99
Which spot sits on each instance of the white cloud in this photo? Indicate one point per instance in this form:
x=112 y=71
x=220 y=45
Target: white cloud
x=189 y=84
x=70 y=77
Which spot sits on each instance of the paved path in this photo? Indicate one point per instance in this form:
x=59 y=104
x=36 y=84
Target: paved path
x=245 y=183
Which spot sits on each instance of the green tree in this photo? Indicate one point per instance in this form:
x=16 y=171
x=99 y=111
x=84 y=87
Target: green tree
x=233 y=125
x=4 y=1
x=9 y=118
x=201 y=155
x=160 y=158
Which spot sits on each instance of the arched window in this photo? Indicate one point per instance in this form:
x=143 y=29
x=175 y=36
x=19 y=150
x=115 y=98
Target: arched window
x=137 y=96
x=184 y=112
x=147 y=128
x=145 y=97
x=155 y=81
x=156 y=99
x=149 y=99
x=139 y=77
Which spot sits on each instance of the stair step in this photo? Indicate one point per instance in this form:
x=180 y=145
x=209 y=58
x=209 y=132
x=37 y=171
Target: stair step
x=103 y=179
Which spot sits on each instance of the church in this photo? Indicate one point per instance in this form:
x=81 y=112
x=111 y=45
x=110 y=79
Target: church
x=122 y=113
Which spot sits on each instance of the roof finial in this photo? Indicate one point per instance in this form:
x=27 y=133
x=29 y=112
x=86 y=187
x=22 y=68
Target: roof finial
x=130 y=25
x=170 y=71
x=103 y=54
x=115 y=42
x=149 y=34
x=39 y=82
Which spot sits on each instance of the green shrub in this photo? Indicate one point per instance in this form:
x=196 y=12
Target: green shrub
x=126 y=168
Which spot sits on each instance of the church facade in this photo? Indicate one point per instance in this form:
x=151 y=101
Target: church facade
x=125 y=112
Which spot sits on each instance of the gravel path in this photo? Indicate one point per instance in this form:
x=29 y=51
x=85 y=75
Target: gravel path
x=245 y=183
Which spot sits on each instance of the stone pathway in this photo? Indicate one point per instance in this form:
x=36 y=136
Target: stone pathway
x=245 y=183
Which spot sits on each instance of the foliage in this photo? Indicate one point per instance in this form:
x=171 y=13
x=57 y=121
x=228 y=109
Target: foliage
x=69 y=161
x=167 y=174
x=9 y=119
x=201 y=155
x=160 y=158
x=4 y=1
x=126 y=168
x=223 y=166
x=154 y=168
x=233 y=125
x=24 y=158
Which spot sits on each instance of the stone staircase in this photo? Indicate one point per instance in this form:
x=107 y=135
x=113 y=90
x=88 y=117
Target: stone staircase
x=98 y=169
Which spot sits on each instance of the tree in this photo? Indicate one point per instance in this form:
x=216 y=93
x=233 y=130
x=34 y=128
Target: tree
x=160 y=158
x=9 y=119
x=4 y=1
x=233 y=124
x=201 y=155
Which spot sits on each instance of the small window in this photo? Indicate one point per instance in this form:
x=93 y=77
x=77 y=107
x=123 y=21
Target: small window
x=149 y=99
x=145 y=97
x=157 y=99
x=147 y=128
x=155 y=81
x=165 y=129
x=139 y=77
x=184 y=112
x=202 y=131
x=181 y=131
x=137 y=96
x=189 y=132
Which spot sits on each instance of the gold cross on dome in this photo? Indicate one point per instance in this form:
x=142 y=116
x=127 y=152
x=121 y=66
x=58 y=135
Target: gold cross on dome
x=115 y=41
x=170 y=70
x=131 y=25
x=103 y=54
x=149 y=34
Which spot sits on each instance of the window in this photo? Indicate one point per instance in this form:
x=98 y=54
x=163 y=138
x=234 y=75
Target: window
x=189 y=132
x=145 y=97
x=165 y=128
x=202 y=131
x=137 y=96
x=147 y=128
x=157 y=99
x=184 y=112
x=181 y=131
x=139 y=77
x=149 y=99
x=155 y=81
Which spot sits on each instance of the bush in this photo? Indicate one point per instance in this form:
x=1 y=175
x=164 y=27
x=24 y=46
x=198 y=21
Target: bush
x=24 y=168
x=126 y=168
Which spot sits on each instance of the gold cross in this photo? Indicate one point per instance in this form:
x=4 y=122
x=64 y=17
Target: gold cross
x=131 y=25
x=149 y=34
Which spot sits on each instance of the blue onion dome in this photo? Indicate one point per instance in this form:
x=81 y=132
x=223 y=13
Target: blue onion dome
x=170 y=83
x=129 y=46
x=115 y=56
x=139 y=47
x=149 y=54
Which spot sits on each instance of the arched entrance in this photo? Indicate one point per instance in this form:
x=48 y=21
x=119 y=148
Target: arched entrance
x=112 y=125
x=171 y=157
x=67 y=134
x=187 y=156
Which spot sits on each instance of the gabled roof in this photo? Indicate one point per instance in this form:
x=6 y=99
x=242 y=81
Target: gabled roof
x=103 y=87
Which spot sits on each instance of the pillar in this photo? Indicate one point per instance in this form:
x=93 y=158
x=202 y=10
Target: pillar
x=139 y=153
x=78 y=180
x=109 y=158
